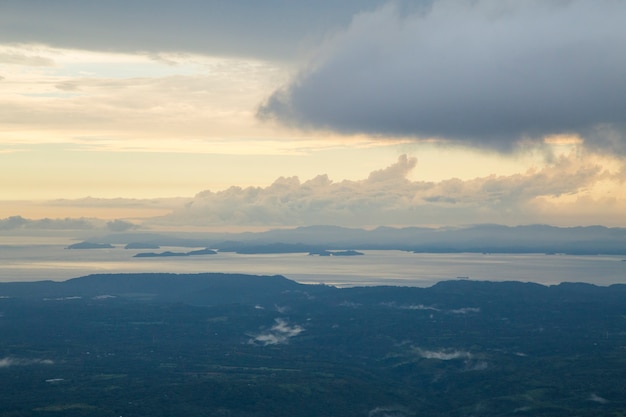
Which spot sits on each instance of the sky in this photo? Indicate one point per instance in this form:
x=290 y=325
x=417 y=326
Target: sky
x=247 y=114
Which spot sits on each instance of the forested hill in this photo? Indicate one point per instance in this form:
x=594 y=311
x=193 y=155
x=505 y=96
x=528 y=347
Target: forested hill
x=217 y=288
x=236 y=345
x=201 y=289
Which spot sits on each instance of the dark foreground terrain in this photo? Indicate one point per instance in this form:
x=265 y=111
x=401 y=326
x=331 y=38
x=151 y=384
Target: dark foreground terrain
x=233 y=345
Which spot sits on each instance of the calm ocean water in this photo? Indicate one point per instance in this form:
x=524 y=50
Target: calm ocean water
x=22 y=262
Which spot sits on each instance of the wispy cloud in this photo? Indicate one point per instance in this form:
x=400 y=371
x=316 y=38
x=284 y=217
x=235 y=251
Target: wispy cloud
x=443 y=354
x=108 y=101
x=390 y=411
x=14 y=361
x=63 y=298
x=420 y=307
x=596 y=398
x=465 y=310
x=18 y=222
x=18 y=57
x=278 y=334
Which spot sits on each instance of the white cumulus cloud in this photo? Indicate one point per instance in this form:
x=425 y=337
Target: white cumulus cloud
x=389 y=197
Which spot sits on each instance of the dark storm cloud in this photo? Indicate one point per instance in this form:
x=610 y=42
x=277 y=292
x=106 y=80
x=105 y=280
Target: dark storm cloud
x=268 y=29
x=485 y=73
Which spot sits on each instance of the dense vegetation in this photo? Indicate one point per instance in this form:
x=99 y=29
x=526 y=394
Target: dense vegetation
x=233 y=345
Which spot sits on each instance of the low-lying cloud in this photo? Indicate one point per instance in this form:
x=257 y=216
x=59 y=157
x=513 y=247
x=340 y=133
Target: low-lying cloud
x=279 y=334
x=388 y=197
x=596 y=398
x=18 y=222
x=570 y=190
x=13 y=361
x=390 y=411
x=443 y=354
x=463 y=310
x=487 y=73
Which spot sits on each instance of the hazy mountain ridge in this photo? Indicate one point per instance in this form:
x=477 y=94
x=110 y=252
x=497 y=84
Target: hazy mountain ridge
x=479 y=238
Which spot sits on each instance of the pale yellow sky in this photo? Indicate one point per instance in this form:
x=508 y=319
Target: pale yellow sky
x=79 y=123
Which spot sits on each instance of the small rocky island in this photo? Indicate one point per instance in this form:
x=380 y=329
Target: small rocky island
x=90 y=245
x=167 y=254
x=336 y=253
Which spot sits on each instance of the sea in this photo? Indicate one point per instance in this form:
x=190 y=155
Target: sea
x=24 y=261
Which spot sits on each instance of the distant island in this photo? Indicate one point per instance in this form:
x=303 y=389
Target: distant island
x=167 y=254
x=485 y=238
x=90 y=245
x=336 y=253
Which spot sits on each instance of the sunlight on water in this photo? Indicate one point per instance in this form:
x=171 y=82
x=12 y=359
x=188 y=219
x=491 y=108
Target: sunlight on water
x=53 y=262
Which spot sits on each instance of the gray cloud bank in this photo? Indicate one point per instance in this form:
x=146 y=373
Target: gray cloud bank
x=388 y=197
x=486 y=73
x=268 y=29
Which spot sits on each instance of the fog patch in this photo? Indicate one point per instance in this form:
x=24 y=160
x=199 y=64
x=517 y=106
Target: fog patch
x=443 y=354
x=279 y=334
x=75 y=297
x=390 y=411
x=420 y=307
x=465 y=310
x=10 y=361
x=103 y=297
x=350 y=304
x=55 y=380
x=596 y=398
x=281 y=309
